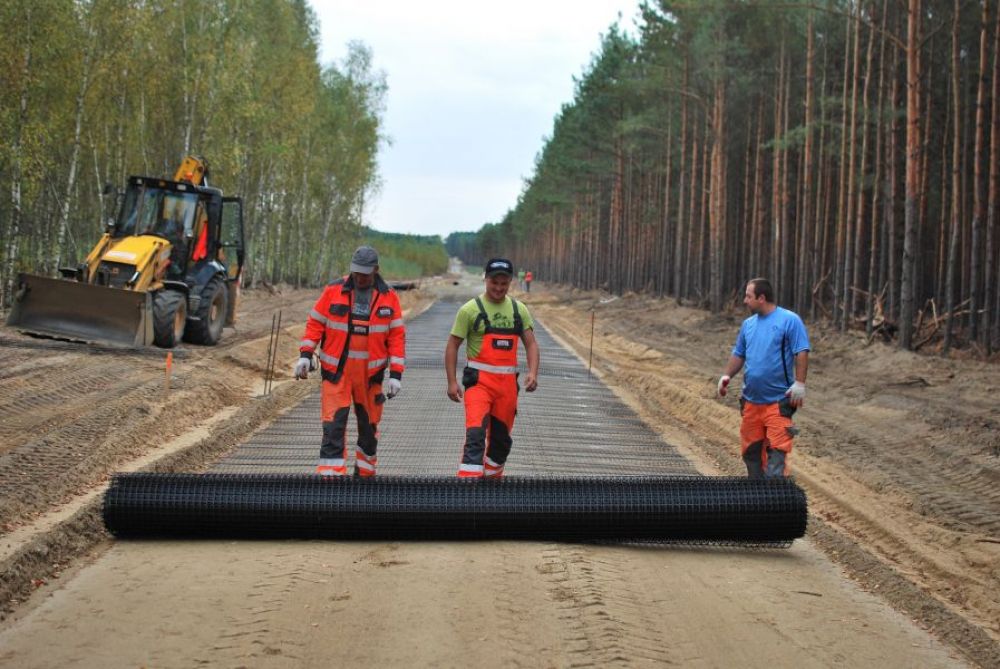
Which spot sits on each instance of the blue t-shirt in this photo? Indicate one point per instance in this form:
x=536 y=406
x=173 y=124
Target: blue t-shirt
x=762 y=342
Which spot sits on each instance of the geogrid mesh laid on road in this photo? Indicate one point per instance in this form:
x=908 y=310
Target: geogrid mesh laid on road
x=583 y=467
x=573 y=425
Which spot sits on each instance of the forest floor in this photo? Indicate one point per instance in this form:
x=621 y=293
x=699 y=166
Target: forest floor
x=899 y=453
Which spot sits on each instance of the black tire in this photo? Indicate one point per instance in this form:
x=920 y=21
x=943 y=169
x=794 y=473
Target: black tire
x=211 y=315
x=169 y=317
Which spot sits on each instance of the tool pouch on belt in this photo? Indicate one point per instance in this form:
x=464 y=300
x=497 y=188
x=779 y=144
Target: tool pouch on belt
x=785 y=407
x=470 y=377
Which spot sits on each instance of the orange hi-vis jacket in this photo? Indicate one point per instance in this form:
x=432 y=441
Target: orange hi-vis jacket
x=329 y=328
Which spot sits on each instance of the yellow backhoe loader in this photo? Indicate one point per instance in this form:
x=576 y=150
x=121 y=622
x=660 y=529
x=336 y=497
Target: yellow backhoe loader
x=168 y=267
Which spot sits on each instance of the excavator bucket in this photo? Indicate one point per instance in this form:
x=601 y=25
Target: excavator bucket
x=76 y=311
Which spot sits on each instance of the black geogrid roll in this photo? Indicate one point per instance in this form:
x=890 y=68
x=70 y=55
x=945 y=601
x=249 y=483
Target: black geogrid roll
x=682 y=509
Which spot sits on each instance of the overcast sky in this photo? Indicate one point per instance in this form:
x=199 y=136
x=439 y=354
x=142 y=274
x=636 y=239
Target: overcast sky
x=473 y=90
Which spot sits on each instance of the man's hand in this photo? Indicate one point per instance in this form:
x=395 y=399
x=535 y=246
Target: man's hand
x=454 y=391
x=302 y=366
x=796 y=394
x=392 y=388
x=530 y=383
x=724 y=385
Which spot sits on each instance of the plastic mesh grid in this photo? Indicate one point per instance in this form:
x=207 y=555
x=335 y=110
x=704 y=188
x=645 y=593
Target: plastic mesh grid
x=684 y=509
x=572 y=426
x=583 y=467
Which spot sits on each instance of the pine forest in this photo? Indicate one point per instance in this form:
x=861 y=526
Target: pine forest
x=848 y=151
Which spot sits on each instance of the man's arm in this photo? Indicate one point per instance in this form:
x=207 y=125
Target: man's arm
x=801 y=366
x=531 y=350
x=797 y=393
x=450 y=363
x=733 y=367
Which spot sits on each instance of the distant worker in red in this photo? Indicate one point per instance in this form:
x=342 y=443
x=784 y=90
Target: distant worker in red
x=491 y=326
x=528 y=277
x=356 y=329
x=772 y=349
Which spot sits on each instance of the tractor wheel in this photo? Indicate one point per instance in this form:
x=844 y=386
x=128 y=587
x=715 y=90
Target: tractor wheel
x=211 y=315
x=169 y=317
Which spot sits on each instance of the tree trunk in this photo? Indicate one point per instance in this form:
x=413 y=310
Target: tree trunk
x=680 y=241
x=757 y=241
x=718 y=194
x=978 y=201
x=776 y=179
x=17 y=168
x=991 y=325
x=894 y=232
x=667 y=230
x=821 y=230
x=873 y=256
x=842 y=188
x=81 y=95
x=805 y=219
x=859 y=231
x=852 y=179
x=956 y=186
x=913 y=159
x=693 y=266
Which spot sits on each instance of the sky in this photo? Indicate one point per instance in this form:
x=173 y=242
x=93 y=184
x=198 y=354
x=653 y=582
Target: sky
x=473 y=90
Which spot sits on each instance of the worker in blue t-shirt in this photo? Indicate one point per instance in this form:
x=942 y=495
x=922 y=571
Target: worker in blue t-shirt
x=772 y=348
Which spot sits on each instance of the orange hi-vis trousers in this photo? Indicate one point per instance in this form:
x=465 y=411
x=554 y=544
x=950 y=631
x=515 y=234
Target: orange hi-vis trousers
x=490 y=406
x=765 y=439
x=354 y=387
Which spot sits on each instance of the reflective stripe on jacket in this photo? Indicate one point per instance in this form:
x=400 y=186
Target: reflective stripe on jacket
x=329 y=325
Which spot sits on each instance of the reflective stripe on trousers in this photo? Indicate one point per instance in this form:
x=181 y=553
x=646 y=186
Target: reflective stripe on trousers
x=336 y=399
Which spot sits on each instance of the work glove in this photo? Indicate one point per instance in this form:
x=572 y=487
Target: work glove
x=302 y=367
x=724 y=385
x=392 y=388
x=797 y=393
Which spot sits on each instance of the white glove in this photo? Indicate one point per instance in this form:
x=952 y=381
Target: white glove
x=797 y=393
x=302 y=366
x=392 y=388
x=724 y=385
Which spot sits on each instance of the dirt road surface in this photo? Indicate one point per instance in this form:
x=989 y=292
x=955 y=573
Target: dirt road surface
x=899 y=454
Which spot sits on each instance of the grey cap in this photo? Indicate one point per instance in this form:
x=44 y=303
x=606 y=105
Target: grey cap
x=365 y=260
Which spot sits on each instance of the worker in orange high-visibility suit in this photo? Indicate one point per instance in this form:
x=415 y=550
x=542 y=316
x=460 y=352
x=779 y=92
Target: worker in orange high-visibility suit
x=356 y=329
x=491 y=326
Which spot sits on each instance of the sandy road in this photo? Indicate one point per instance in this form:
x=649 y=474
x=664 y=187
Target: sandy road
x=496 y=604
x=303 y=603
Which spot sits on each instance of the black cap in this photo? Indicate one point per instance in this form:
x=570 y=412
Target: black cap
x=499 y=266
x=365 y=260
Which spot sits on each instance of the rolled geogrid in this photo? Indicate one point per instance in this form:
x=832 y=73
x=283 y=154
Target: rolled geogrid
x=691 y=509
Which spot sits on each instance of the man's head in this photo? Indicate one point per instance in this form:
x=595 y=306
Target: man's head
x=364 y=266
x=759 y=296
x=498 y=275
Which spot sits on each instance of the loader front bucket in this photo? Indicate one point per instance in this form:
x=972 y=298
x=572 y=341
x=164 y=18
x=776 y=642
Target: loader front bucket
x=65 y=309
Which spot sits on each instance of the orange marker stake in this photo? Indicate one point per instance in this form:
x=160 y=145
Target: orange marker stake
x=170 y=364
